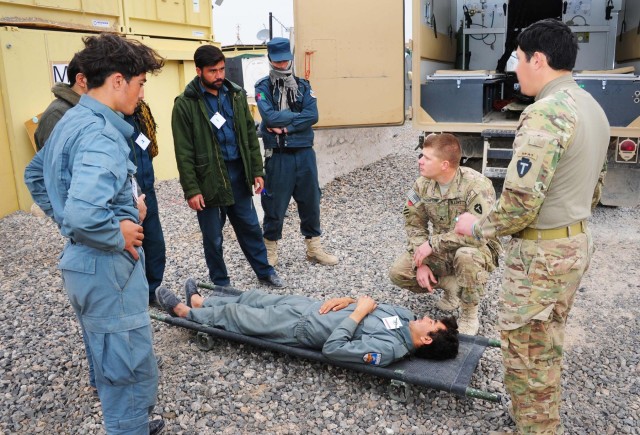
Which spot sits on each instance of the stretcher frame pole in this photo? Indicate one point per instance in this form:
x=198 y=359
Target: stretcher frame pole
x=484 y=395
x=494 y=342
x=399 y=390
x=205 y=285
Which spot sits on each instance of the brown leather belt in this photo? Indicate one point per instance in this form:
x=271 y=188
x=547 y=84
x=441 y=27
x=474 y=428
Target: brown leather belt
x=552 y=233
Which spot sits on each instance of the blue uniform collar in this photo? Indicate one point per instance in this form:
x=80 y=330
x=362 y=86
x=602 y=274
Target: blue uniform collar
x=113 y=117
x=403 y=333
x=223 y=90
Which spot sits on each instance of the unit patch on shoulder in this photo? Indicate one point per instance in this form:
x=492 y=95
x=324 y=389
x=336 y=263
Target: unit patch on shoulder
x=478 y=208
x=313 y=94
x=412 y=198
x=372 y=358
x=523 y=165
x=260 y=96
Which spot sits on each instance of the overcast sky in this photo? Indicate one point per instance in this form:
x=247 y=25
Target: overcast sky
x=253 y=16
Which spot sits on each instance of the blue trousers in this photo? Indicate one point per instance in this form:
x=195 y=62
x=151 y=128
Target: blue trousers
x=256 y=314
x=108 y=292
x=291 y=174
x=153 y=245
x=244 y=220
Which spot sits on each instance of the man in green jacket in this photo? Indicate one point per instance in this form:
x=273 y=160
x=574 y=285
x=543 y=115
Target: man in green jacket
x=220 y=165
x=67 y=96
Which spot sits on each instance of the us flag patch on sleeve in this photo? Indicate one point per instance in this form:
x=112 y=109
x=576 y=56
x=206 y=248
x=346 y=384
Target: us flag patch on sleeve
x=412 y=198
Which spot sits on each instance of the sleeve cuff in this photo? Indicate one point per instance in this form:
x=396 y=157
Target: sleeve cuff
x=349 y=324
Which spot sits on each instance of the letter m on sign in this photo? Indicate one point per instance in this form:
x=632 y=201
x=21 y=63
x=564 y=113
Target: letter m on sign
x=59 y=71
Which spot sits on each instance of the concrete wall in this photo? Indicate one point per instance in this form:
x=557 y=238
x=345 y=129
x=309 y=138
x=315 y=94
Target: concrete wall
x=340 y=151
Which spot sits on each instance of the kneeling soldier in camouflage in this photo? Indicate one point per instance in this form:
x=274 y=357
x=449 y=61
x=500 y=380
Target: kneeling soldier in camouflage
x=460 y=265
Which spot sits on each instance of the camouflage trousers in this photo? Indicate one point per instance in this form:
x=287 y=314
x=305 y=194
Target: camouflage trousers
x=471 y=267
x=539 y=287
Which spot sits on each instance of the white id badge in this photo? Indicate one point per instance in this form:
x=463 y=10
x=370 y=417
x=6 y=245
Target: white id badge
x=218 y=120
x=392 y=322
x=143 y=141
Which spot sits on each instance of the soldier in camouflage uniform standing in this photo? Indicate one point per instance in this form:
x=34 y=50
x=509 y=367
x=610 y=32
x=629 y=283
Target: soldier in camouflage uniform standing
x=559 y=151
x=460 y=265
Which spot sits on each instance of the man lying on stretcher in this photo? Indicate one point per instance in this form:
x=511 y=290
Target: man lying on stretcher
x=347 y=330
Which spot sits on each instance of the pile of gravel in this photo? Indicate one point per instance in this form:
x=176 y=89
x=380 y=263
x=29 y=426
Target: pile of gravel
x=241 y=389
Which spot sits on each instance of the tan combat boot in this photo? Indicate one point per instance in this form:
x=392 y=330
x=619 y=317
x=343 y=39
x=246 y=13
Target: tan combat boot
x=316 y=253
x=468 y=322
x=449 y=301
x=272 y=252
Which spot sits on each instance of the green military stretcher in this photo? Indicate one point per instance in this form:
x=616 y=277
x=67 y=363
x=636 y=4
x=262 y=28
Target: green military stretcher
x=452 y=375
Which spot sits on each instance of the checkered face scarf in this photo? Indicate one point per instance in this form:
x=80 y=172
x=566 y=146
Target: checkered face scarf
x=284 y=81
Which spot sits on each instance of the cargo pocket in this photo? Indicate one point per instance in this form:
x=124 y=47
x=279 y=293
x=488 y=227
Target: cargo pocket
x=123 y=266
x=125 y=357
x=561 y=261
x=529 y=347
x=75 y=269
x=513 y=257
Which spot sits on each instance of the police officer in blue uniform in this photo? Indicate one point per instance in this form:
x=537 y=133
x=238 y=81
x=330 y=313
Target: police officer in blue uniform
x=83 y=179
x=220 y=166
x=144 y=147
x=289 y=109
x=347 y=330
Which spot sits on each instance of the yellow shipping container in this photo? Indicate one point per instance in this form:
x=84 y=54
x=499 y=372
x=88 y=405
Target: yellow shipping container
x=32 y=60
x=38 y=38
x=184 y=19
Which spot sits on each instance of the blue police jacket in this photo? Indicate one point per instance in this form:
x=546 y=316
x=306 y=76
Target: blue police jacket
x=145 y=176
x=297 y=120
x=367 y=342
x=226 y=135
x=82 y=178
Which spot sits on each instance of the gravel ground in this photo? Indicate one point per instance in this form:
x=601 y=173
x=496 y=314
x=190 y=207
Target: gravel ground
x=241 y=389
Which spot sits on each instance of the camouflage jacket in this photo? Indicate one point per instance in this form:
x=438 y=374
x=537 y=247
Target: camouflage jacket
x=469 y=191
x=561 y=118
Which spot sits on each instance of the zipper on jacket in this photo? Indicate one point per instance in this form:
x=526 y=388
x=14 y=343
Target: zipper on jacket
x=213 y=138
x=236 y=96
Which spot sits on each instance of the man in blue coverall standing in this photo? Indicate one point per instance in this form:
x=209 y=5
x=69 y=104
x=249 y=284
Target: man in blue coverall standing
x=288 y=109
x=84 y=180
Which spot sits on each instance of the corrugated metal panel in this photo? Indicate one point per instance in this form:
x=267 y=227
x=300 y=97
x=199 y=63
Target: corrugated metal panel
x=84 y=15
x=27 y=61
x=185 y=19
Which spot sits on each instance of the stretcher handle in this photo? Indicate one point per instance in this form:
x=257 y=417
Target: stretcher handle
x=484 y=395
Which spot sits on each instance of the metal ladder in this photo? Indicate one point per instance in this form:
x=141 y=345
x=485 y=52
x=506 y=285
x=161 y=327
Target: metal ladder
x=495 y=153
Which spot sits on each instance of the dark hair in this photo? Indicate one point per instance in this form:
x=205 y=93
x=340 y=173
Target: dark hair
x=207 y=55
x=73 y=69
x=444 y=344
x=446 y=146
x=554 y=39
x=106 y=54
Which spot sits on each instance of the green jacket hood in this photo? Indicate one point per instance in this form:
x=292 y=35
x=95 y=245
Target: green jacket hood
x=193 y=88
x=64 y=92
